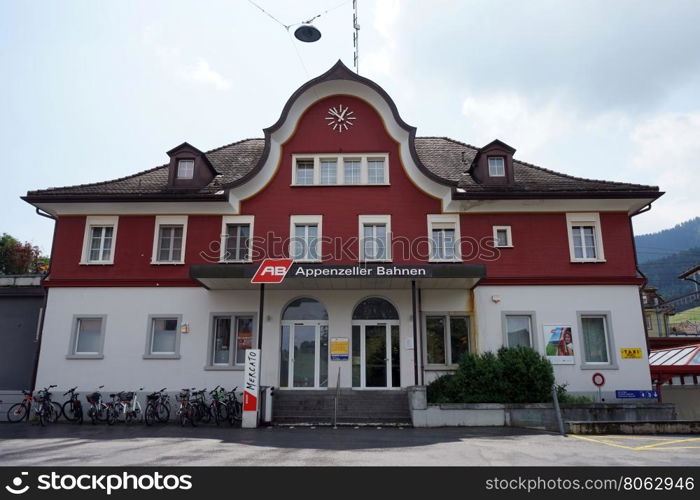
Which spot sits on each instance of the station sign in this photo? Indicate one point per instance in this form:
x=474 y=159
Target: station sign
x=636 y=394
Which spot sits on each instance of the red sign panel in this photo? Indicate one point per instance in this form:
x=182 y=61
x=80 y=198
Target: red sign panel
x=272 y=271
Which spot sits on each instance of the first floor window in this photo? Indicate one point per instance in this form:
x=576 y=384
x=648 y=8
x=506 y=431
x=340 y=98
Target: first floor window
x=101 y=238
x=584 y=242
x=443 y=242
x=502 y=236
x=237 y=242
x=595 y=339
x=305 y=242
x=447 y=338
x=304 y=172
x=375 y=171
x=519 y=330
x=170 y=243
x=88 y=336
x=351 y=171
x=329 y=172
x=232 y=336
x=374 y=241
x=163 y=339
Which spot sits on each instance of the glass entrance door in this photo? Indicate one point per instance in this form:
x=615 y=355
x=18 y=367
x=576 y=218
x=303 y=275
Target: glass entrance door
x=376 y=355
x=304 y=355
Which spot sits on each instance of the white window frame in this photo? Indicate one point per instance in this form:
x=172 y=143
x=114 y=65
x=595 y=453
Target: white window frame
x=149 y=354
x=169 y=220
x=99 y=221
x=340 y=168
x=72 y=350
x=295 y=220
x=374 y=219
x=191 y=172
x=445 y=221
x=240 y=220
x=447 y=337
x=488 y=166
x=585 y=219
x=534 y=338
x=509 y=236
x=611 y=363
x=337 y=171
x=233 y=316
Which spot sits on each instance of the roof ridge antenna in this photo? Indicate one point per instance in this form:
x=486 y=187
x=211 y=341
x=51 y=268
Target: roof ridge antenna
x=356 y=37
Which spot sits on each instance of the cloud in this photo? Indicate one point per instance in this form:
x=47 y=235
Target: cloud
x=509 y=116
x=201 y=72
x=667 y=150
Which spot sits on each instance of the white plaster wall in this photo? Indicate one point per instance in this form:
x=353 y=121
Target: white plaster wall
x=560 y=305
x=128 y=309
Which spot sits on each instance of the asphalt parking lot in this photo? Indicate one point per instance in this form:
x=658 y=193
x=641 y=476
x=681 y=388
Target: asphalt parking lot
x=121 y=445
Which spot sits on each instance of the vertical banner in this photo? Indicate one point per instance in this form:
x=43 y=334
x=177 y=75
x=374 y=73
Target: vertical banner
x=251 y=388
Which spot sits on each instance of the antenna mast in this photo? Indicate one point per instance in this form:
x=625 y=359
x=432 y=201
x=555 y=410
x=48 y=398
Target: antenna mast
x=356 y=37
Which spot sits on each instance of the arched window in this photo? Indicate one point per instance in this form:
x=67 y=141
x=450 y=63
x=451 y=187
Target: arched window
x=375 y=308
x=305 y=308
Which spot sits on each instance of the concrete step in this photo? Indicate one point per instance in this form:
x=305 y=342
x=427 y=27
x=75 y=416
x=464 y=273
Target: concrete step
x=354 y=407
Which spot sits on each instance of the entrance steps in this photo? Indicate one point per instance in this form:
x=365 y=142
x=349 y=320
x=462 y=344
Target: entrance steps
x=355 y=407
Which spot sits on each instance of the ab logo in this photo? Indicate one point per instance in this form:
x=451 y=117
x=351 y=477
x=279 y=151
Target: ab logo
x=272 y=271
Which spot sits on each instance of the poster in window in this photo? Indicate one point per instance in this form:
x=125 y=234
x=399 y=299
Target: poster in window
x=559 y=344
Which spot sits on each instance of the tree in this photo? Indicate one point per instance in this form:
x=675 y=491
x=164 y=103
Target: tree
x=20 y=258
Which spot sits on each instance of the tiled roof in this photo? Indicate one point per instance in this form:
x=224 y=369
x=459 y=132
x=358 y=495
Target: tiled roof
x=445 y=158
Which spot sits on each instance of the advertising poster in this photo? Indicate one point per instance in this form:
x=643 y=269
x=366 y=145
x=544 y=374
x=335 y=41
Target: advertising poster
x=340 y=349
x=559 y=344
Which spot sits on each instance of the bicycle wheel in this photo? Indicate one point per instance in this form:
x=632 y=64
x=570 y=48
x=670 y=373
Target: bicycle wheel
x=17 y=413
x=78 y=411
x=204 y=413
x=150 y=416
x=112 y=415
x=191 y=412
x=162 y=413
x=54 y=412
x=44 y=413
x=236 y=411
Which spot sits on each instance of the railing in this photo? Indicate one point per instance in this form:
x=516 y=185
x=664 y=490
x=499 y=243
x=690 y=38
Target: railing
x=337 y=395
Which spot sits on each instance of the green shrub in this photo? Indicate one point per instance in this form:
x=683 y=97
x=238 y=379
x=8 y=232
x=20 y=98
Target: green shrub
x=442 y=390
x=528 y=375
x=565 y=398
x=515 y=375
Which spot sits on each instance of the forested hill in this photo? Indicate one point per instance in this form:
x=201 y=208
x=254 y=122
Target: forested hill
x=665 y=243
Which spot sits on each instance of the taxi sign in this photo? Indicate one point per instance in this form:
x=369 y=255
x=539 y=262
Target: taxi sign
x=631 y=353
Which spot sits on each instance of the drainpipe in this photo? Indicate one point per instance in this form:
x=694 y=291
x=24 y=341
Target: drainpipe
x=415 y=332
x=35 y=367
x=645 y=208
x=261 y=310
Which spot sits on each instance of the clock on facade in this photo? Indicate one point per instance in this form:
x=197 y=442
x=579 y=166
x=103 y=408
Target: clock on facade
x=340 y=118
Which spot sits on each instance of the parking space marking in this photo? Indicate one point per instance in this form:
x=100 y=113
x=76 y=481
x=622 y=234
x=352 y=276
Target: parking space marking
x=660 y=445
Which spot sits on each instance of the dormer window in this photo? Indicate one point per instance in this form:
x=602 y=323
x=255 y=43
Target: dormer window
x=497 y=166
x=185 y=169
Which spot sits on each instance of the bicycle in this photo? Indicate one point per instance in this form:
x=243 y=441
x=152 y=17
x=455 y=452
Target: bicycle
x=73 y=409
x=129 y=406
x=235 y=407
x=46 y=410
x=157 y=408
x=218 y=407
x=186 y=411
x=202 y=409
x=20 y=411
x=97 y=410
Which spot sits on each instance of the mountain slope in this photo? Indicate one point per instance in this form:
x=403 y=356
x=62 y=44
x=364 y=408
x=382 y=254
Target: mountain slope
x=665 y=243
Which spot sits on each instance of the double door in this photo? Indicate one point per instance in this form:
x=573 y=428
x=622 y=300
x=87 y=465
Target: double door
x=376 y=361
x=304 y=354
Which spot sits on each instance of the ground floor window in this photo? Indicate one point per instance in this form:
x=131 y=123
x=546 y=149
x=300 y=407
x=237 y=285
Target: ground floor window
x=163 y=337
x=446 y=338
x=594 y=331
x=518 y=330
x=232 y=335
x=88 y=336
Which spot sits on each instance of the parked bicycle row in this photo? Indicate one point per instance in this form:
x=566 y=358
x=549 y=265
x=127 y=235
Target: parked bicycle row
x=193 y=407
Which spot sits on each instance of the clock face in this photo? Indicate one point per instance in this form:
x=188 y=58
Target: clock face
x=340 y=118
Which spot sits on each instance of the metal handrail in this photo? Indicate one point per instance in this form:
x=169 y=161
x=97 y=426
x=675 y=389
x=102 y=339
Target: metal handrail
x=337 y=395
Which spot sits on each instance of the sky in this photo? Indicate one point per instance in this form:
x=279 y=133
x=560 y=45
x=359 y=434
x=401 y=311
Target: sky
x=93 y=91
